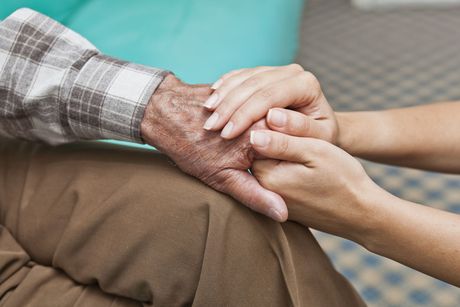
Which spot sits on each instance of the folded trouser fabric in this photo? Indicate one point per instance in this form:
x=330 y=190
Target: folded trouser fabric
x=25 y=283
x=92 y=224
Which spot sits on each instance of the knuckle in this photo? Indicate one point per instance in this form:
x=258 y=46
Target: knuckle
x=296 y=67
x=283 y=146
x=224 y=110
x=251 y=82
x=244 y=115
x=311 y=79
x=237 y=118
x=265 y=93
x=305 y=125
x=318 y=148
x=307 y=76
x=311 y=84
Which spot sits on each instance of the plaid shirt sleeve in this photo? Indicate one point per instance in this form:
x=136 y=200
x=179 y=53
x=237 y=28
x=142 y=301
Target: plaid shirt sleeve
x=57 y=87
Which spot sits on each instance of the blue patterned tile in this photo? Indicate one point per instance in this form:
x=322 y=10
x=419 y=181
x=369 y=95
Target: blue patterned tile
x=371 y=260
x=371 y=294
x=394 y=278
x=420 y=297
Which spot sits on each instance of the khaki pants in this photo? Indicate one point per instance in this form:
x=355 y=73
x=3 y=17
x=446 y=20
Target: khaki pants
x=98 y=225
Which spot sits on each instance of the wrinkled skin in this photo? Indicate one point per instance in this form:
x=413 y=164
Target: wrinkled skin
x=173 y=124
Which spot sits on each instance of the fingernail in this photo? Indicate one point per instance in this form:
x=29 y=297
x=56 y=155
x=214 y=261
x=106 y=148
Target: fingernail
x=259 y=139
x=212 y=101
x=211 y=122
x=227 y=130
x=217 y=84
x=274 y=214
x=277 y=118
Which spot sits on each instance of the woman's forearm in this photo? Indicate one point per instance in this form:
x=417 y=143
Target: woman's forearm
x=425 y=137
x=327 y=189
x=420 y=237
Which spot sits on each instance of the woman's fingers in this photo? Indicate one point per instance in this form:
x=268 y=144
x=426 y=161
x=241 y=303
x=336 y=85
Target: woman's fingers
x=228 y=82
x=291 y=92
x=294 y=123
x=245 y=96
x=219 y=82
x=280 y=146
x=238 y=96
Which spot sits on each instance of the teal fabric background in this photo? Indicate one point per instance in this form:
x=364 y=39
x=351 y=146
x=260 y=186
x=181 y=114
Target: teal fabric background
x=197 y=39
x=57 y=9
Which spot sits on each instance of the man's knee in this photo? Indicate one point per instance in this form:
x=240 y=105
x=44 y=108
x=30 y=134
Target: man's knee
x=162 y=231
x=134 y=224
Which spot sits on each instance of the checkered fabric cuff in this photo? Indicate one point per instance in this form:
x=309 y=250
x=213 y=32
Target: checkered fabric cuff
x=108 y=98
x=56 y=87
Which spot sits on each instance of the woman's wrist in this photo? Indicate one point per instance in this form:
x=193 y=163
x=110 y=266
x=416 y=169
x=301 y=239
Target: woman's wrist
x=380 y=214
x=361 y=221
x=370 y=223
x=345 y=123
x=363 y=134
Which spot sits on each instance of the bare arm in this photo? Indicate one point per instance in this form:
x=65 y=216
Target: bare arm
x=327 y=189
x=425 y=137
x=418 y=236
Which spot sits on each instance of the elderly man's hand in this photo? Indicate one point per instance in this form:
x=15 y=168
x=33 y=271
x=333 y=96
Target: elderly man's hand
x=173 y=123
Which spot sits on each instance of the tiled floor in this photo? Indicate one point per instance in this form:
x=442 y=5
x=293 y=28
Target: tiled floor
x=377 y=60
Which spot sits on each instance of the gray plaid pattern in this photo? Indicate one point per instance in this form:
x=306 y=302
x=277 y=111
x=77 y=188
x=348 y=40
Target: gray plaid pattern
x=56 y=87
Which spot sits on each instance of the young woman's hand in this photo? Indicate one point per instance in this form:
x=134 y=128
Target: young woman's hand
x=245 y=96
x=324 y=187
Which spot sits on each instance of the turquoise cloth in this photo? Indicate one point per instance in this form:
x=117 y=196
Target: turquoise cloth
x=59 y=10
x=199 y=40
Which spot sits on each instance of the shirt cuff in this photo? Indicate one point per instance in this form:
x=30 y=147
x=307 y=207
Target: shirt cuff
x=108 y=97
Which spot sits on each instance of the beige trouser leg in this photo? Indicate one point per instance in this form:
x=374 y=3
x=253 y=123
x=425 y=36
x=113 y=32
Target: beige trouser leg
x=25 y=283
x=133 y=225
